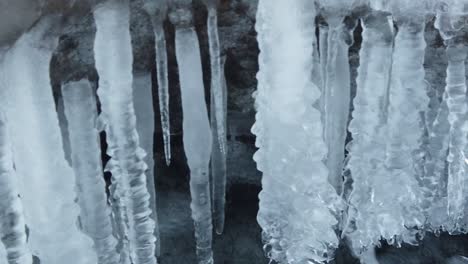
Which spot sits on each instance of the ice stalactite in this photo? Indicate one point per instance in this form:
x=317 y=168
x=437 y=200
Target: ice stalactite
x=143 y=102
x=197 y=136
x=157 y=9
x=95 y=215
x=297 y=203
x=408 y=101
x=450 y=24
x=364 y=226
x=336 y=90
x=129 y=194
x=45 y=179
x=12 y=224
x=216 y=74
x=218 y=162
x=64 y=129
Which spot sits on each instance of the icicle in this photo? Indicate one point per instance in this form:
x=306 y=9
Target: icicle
x=216 y=76
x=12 y=225
x=336 y=93
x=218 y=162
x=81 y=113
x=143 y=102
x=197 y=135
x=367 y=149
x=297 y=204
x=157 y=10
x=456 y=99
x=130 y=197
x=64 y=130
x=45 y=179
x=408 y=102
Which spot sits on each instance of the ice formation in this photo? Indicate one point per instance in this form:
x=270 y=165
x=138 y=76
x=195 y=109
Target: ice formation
x=218 y=117
x=95 y=215
x=297 y=204
x=157 y=9
x=218 y=162
x=12 y=223
x=130 y=197
x=144 y=111
x=45 y=180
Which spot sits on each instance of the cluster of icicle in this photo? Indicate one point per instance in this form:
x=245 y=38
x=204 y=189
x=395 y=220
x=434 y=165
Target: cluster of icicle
x=53 y=204
x=406 y=168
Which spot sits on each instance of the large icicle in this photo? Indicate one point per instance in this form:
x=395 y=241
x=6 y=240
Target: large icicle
x=130 y=197
x=12 y=224
x=143 y=102
x=95 y=219
x=297 y=204
x=370 y=210
x=197 y=134
x=46 y=181
x=336 y=90
x=456 y=100
x=218 y=162
x=157 y=9
x=408 y=102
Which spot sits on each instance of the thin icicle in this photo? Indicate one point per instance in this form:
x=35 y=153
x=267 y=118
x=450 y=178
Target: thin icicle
x=12 y=224
x=197 y=134
x=216 y=76
x=157 y=9
x=81 y=113
x=130 y=197
x=46 y=181
x=218 y=163
x=143 y=102
x=297 y=204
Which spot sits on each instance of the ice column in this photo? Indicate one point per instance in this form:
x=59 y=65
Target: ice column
x=143 y=102
x=130 y=197
x=449 y=21
x=81 y=113
x=370 y=210
x=197 y=134
x=157 y=9
x=46 y=182
x=408 y=102
x=336 y=91
x=12 y=224
x=218 y=162
x=297 y=203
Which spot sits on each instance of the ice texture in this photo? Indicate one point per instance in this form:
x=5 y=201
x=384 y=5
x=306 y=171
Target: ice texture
x=297 y=204
x=218 y=161
x=129 y=194
x=45 y=180
x=95 y=215
x=12 y=224
x=143 y=102
x=367 y=219
x=197 y=137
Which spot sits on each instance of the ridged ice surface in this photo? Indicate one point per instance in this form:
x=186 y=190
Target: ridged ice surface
x=297 y=202
x=95 y=215
x=46 y=181
x=129 y=193
x=12 y=224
